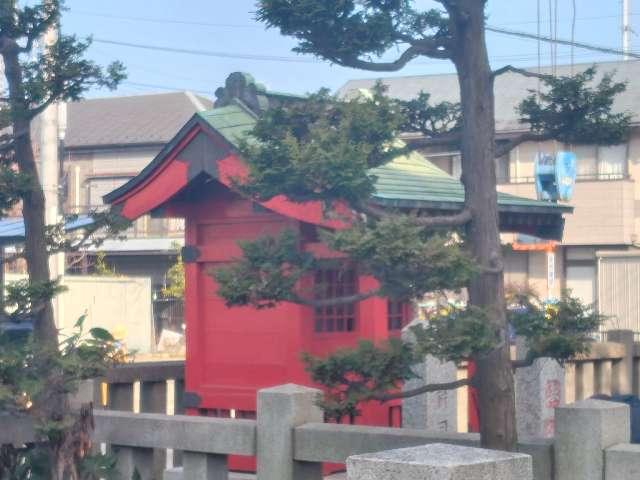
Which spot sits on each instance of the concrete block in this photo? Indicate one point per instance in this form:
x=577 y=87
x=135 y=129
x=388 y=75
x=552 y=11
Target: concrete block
x=173 y=474
x=622 y=462
x=131 y=459
x=202 y=466
x=440 y=461
x=540 y=390
x=280 y=410
x=583 y=431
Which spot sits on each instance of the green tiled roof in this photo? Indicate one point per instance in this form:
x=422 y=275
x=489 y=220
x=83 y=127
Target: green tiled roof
x=409 y=180
x=413 y=180
x=233 y=122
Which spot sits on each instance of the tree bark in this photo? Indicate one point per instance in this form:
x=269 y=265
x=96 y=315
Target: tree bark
x=494 y=373
x=33 y=202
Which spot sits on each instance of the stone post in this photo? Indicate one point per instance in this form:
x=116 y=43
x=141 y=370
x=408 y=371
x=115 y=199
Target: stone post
x=153 y=399
x=585 y=380
x=132 y=459
x=439 y=461
x=623 y=370
x=570 y=383
x=280 y=410
x=583 y=431
x=202 y=466
x=604 y=372
x=539 y=391
x=436 y=411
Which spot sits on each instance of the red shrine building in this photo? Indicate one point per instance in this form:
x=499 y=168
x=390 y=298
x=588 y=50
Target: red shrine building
x=233 y=352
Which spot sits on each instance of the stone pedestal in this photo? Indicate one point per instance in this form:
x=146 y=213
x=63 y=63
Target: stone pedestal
x=280 y=410
x=539 y=391
x=583 y=431
x=436 y=411
x=440 y=462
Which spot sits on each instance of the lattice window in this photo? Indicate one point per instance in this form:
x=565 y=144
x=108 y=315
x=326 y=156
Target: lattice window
x=335 y=283
x=398 y=314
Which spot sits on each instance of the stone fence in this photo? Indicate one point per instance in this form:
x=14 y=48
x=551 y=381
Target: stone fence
x=291 y=443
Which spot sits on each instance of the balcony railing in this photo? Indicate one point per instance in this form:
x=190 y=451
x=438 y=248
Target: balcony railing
x=144 y=227
x=587 y=177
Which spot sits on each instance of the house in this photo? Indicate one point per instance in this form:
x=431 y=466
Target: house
x=107 y=141
x=233 y=352
x=597 y=255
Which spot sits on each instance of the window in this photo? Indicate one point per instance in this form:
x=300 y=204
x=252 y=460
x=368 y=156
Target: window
x=335 y=283
x=395 y=416
x=98 y=187
x=449 y=162
x=398 y=314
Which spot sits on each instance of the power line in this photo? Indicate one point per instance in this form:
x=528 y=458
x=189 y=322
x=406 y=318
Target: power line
x=164 y=87
x=165 y=20
x=560 y=41
x=239 y=25
x=207 y=53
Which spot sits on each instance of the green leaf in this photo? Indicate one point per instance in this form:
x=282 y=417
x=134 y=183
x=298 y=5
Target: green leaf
x=101 y=334
x=80 y=322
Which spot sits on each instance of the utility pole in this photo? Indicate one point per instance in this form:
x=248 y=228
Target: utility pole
x=626 y=28
x=50 y=173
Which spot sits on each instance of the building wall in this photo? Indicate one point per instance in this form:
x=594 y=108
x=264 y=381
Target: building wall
x=83 y=168
x=129 y=319
x=619 y=289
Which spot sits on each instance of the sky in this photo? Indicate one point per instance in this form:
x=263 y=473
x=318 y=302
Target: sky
x=229 y=27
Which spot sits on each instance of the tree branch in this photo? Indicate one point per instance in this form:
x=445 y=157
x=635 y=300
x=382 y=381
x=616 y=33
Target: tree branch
x=428 y=47
x=526 y=362
x=331 y=302
x=455 y=220
x=433 y=387
x=509 y=145
x=520 y=71
x=35 y=111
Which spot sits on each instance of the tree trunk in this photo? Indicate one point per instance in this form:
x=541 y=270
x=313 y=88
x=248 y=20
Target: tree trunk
x=33 y=203
x=494 y=374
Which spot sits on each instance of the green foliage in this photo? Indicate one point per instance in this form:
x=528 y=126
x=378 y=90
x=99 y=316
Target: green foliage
x=101 y=267
x=33 y=461
x=340 y=30
x=321 y=149
x=559 y=330
x=352 y=376
x=404 y=257
x=30 y=378
x=266 y=274
x=24 y=298
x=13 y=185
x=570 y=110
x=61 y=72
x=24 y=366
x=455 y=334
x=430 y=120
x=375 y=372
x=175 y=279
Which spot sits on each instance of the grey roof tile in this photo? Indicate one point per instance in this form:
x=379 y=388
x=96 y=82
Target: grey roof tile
x=139 y=119
x=510 y=89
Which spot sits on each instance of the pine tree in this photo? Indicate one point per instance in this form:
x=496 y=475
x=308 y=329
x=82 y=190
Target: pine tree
x=37 y=77
x=325 y=149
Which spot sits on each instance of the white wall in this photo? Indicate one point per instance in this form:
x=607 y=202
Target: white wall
x=122 y=305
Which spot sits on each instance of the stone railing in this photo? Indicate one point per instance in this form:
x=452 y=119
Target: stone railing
x=290 y=443
x=149 y=387
x=610 y=368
